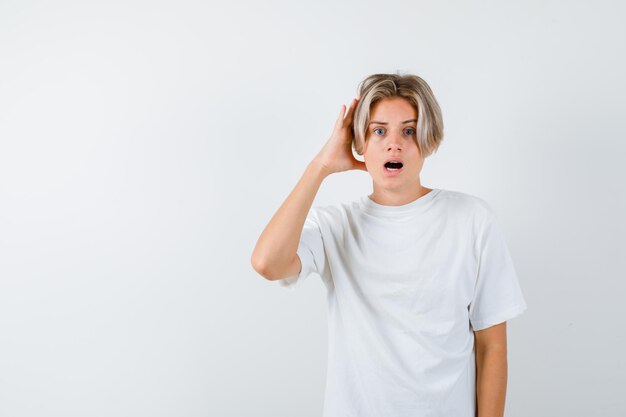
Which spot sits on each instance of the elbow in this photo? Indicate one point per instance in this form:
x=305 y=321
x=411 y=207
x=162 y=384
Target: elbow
x=260 y=267
x=275 y=269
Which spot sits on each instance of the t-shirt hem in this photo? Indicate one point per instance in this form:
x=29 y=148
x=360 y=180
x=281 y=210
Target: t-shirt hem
x=498 y=318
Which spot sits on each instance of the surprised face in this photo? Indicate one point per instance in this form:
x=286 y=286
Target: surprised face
x=390 y=151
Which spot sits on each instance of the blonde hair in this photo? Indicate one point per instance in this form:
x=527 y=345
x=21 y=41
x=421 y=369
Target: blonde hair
x=410 y=87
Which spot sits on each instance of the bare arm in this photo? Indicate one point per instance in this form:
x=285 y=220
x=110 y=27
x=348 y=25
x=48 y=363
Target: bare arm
x=275 y=254
x=491 y=368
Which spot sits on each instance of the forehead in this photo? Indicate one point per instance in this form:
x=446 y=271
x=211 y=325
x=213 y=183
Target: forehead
x=392 y=109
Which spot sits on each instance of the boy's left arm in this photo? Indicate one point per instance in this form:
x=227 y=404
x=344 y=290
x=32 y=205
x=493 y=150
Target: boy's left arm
x=491 y=370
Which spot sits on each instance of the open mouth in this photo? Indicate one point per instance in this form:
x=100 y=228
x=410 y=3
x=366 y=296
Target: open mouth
x=393 y=166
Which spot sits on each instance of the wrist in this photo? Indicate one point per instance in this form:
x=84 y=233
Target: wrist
x=318 y=169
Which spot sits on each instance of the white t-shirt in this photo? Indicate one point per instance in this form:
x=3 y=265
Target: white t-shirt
x=406 y=286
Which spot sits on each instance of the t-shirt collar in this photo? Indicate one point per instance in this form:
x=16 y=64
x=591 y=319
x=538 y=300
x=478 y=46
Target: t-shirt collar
x=373 y=207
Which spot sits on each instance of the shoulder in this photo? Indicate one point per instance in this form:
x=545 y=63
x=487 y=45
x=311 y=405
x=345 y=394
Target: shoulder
x=336 y=217
x=327 y=213
x=465 y=203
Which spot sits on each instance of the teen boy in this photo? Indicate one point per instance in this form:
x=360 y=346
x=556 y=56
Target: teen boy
x=419 y=280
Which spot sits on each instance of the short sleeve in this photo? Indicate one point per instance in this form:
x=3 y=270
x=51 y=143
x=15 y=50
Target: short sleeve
x=310 y=250
x=497 y=294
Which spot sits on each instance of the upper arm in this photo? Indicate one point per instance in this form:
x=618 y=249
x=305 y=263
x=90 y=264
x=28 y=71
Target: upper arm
x=491 y=337
x=292 y=269
x=497 y=294
x=310 y=255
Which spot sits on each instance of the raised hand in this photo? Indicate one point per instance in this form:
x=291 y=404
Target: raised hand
x=336 y=155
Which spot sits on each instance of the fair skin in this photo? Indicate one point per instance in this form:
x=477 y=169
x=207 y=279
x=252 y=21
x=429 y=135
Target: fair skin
x=391 y=133
x=491 y=370
x=275 y=256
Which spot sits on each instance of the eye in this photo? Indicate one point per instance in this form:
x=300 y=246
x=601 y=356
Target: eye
x=377 y=129
x=409 y=131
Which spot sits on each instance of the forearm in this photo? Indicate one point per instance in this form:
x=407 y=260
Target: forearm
x=278 y=243
x=491 y=381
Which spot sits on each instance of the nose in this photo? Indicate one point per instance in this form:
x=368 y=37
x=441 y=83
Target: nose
x=395 y=142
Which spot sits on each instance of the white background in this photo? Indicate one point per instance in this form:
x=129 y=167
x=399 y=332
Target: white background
x=145 y=145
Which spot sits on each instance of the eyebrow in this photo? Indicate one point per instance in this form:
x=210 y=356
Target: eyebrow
x=384 y=123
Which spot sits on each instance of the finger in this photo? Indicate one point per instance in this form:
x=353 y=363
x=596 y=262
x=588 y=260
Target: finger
x=340 y=117
x=353 y=108
x=350 y=113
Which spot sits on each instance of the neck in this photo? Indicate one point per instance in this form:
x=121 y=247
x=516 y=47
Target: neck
x=389 y=197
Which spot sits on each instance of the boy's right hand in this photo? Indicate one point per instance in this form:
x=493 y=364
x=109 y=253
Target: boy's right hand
x=336 y=155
